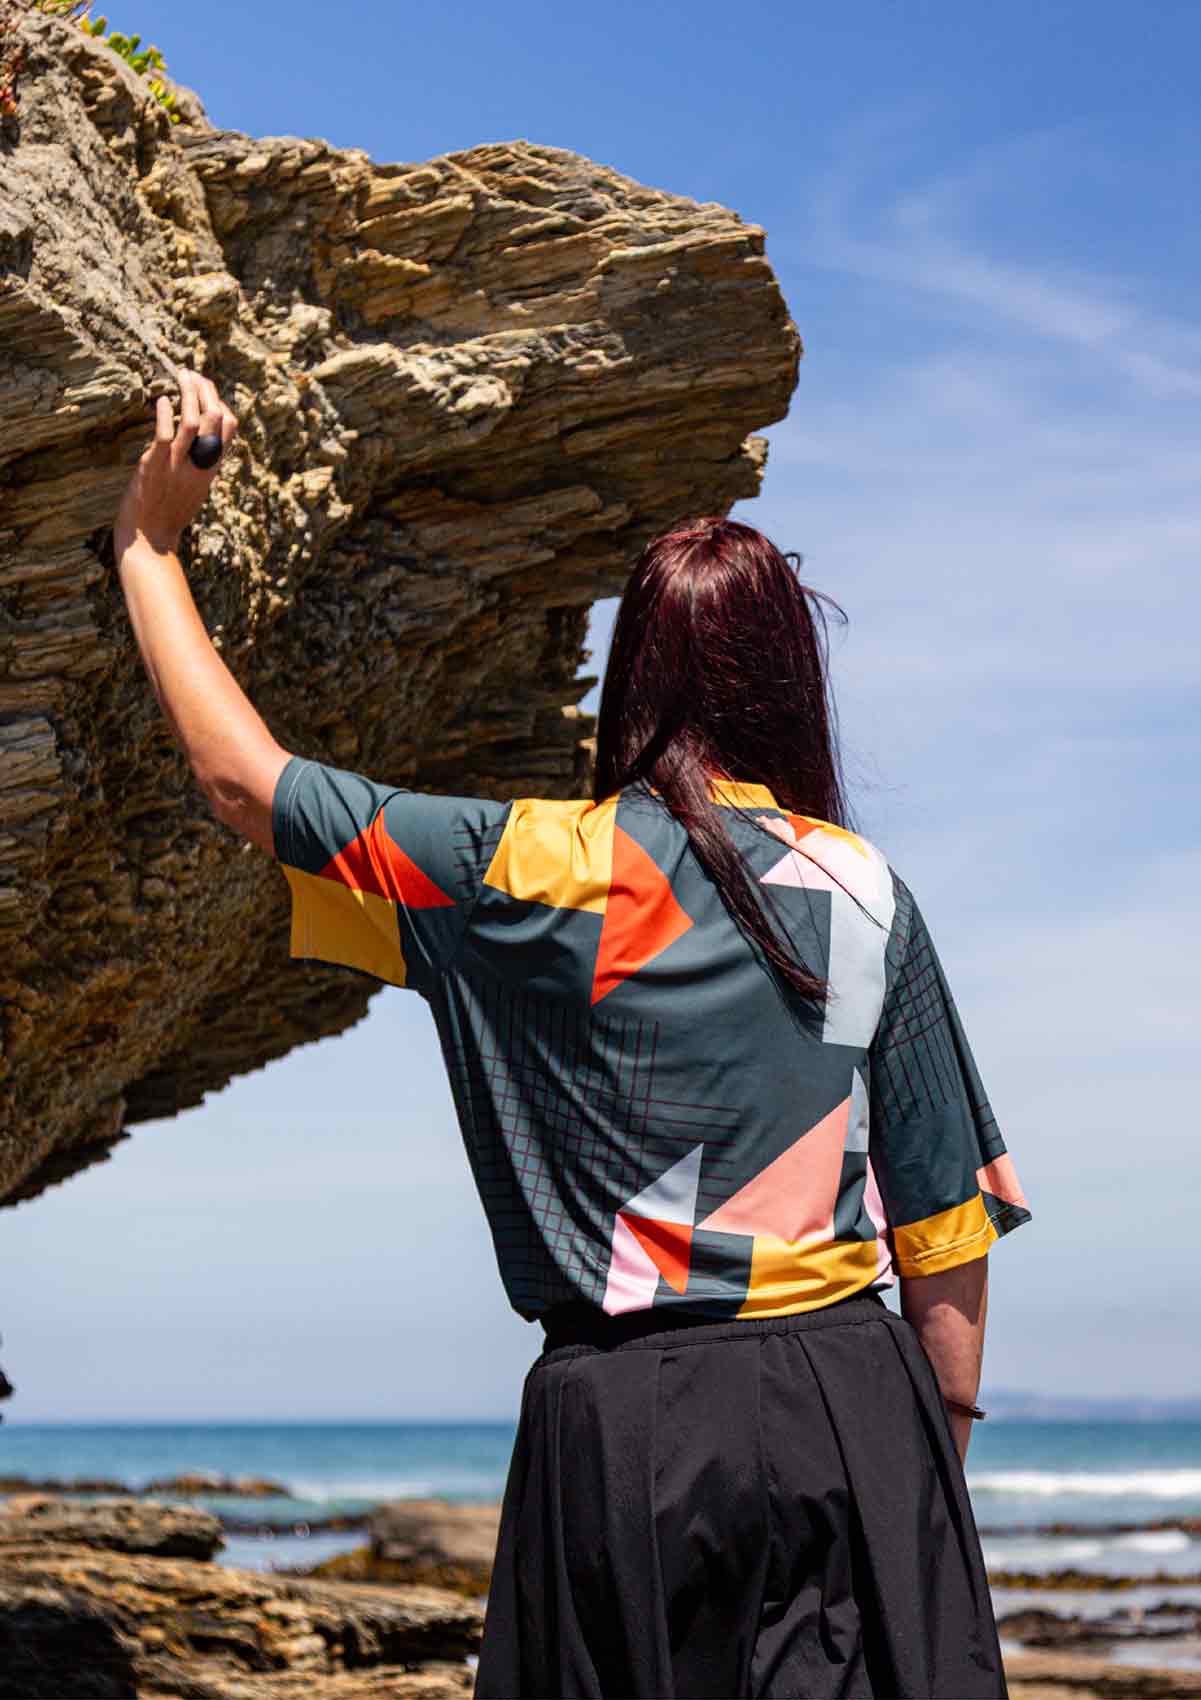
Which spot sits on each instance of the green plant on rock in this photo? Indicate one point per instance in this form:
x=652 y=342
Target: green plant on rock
x=129 y=47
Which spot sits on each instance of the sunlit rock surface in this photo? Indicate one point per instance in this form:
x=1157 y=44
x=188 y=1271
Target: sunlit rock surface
x=469 y=391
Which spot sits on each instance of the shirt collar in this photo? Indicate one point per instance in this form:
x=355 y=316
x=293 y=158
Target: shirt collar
x=732 y=794
x=741 y=794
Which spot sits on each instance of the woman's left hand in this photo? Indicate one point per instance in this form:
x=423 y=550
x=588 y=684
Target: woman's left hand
x=167 y=489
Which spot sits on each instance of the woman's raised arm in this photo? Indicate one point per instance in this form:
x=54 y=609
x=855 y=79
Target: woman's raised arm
x=235 y=759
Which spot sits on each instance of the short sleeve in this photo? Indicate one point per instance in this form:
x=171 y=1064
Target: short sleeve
x=947 y=1183
x=382 y=879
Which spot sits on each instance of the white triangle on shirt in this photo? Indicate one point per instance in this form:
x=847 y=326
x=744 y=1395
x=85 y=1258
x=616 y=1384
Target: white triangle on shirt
x=671 y=1198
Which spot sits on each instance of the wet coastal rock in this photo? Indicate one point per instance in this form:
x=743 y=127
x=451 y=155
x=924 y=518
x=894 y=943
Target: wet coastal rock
x=66 y=1484
x=1090 y=1581
x=469 y=391
x=210 y=1482
x=112 y=1525
x=196 y=1483
x=437 y=1541
x=1037 y=1626
x=434 y=1541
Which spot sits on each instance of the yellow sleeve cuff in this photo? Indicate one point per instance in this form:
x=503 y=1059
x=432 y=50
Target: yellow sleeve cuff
x=941 y=1241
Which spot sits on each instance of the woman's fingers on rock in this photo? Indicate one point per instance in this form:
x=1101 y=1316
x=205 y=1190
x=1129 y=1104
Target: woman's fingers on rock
x=211 y=412
x=189 y=404
x=202 y=413
x=189 y=416
x=164 y=429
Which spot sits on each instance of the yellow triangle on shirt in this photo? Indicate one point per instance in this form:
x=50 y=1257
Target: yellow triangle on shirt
x=554 y=852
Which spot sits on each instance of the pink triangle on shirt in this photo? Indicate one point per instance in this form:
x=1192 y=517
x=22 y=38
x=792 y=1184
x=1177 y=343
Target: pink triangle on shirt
x=794 y=1196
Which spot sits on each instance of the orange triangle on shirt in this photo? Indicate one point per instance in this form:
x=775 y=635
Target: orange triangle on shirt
x=642 y=916
x=375 y=862
x=667 y=1244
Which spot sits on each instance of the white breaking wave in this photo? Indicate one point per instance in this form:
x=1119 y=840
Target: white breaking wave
x=1155 y=1540
x=352 y=1487
x=394 y=1487
x=1041 y=1554
x=1047 y=1484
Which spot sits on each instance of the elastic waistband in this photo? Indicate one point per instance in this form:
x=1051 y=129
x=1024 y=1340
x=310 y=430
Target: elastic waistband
x=585 y=1325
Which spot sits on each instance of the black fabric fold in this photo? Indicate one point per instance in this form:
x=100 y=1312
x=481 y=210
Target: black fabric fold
x=766 y=1508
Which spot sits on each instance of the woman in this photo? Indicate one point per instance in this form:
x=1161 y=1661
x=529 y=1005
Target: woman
x=715 y=1096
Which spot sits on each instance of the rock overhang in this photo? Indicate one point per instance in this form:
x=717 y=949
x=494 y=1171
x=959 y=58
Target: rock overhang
x=469 y=391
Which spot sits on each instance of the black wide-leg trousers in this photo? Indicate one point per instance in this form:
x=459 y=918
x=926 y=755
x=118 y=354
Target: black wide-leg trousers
x=764 y=1507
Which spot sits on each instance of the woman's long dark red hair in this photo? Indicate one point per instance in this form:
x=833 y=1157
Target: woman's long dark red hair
x=718 y=668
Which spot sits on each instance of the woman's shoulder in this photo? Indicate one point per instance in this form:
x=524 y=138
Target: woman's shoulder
x=820 y=853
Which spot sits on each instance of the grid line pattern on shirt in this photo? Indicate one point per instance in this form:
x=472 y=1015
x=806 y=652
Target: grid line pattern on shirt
x=553 y=1090
x=916 y=1061
x=474 y=848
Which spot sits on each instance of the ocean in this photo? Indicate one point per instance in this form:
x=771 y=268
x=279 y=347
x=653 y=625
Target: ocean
x=1023 y=1475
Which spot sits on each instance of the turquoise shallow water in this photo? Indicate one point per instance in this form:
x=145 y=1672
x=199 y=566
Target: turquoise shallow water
x=329 y=1466
x=1021 y=1473
x=1099 y=1472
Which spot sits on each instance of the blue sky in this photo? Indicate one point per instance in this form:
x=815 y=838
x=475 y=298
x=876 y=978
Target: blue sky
x=983 y=221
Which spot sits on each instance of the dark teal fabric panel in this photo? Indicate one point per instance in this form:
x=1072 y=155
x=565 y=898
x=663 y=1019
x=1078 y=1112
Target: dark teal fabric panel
x=625 y=1070
x=320 y=812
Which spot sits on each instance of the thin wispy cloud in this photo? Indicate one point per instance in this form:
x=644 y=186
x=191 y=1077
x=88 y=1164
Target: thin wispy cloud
x=915 y=239
x=1020 y=479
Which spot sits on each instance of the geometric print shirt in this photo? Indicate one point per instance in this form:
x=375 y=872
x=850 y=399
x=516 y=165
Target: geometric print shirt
x=652 y=1118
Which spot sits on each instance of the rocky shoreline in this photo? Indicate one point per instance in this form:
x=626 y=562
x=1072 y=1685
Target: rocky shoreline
x=1159 y=1526
x=191 y=1484
x=93 y=1603
x=1068 y=1676
x=1091 y=1581
x=107 y=1595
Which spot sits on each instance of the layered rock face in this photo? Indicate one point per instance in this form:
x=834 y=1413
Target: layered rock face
x=95 y=1601
x=469 y=391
